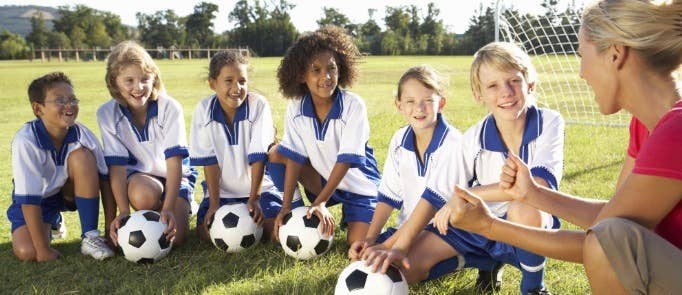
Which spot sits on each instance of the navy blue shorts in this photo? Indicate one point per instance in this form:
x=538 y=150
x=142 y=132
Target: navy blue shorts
x=50 y=206
x=186 y=186
x=470 y=244
x=355 y=207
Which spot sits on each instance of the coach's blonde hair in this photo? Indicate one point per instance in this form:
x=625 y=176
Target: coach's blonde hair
x=125 y=54
x=428 y=76
x=652 y=28
x=503 y=56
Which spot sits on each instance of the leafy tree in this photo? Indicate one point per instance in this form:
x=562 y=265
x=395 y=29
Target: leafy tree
x=333 y=17
x=12 y=46
x=268 y=32
x=163 y=28
x=39 y=32
x=199 y=25
x=58 y=40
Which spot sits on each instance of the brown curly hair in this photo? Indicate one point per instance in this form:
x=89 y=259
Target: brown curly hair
x=297 y=59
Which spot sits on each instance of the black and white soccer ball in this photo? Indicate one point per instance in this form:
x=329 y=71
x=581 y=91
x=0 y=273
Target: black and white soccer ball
x=357 y=279
x=302 y=237
x=141 y=237
x=233 y=229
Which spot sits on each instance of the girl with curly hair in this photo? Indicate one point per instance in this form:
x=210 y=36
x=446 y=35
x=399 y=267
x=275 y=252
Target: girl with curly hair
x=326 y=133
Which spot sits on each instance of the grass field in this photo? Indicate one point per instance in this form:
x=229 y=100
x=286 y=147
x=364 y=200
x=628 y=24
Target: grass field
x=593 y=156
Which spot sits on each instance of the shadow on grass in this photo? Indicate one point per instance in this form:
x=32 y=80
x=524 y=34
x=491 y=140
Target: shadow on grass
x=581 y=172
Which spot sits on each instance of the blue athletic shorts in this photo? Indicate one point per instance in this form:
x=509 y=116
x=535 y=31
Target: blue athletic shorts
x=51 y=206
x=269 y=203
x=355 y=207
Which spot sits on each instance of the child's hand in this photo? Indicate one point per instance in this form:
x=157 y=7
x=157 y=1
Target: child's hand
x=208 y=218
x=442 y=218
x=255 y=210
x=278 y=222
x=115 y=225
x=469 y=212
x=48 y=254
x=326 y=218
x=168 y=219
x=358 y=247
x=382 y=259
x=516 y=179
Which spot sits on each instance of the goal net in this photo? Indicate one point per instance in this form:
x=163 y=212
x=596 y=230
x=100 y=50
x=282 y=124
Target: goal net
x=552 y=42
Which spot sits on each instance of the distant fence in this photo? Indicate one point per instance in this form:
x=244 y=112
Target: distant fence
x=95 y=54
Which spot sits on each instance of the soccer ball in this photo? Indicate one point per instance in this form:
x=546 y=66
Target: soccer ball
x=233 y=229
x=301 y=237
x=141 y=237
x=359 y=279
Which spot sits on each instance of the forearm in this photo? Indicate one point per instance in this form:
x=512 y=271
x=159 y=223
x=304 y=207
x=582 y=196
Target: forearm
x=335 y=177
x=119 y=188
x=381 y=215
x=108 y=202
x=173 y=178
x=493 y=193
x=558 y=244
x=293 y=171
x=257 y=171
x=579 y=211
x=414 y=225
x=34 y=222
x=212 y=176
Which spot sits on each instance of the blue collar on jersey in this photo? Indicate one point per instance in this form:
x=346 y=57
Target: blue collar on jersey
x=308 y=109
x=490 y=136
x=437 y=139
x=241 y=114
x=152 y=111
x=44 y=142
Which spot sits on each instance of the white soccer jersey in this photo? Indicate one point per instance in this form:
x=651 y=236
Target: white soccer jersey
x=144 y=150
x=484 y=154
x=233 y=146
x=341 y=137
x=403 y=179
x=39 y=170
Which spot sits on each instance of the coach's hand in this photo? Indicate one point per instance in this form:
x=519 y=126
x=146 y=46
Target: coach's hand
x=515 y=178
x=466 y=211
x=326 y=217
x=115 y=224
x=168 y=219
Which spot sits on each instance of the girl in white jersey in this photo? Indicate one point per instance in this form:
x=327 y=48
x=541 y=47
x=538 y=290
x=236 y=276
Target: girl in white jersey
x=230 y=135
x=326 y=132
x=413 y=151
x=143 y=131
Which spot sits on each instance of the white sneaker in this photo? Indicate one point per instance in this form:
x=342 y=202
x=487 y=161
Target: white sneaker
x=58 y=232
x=95 y=246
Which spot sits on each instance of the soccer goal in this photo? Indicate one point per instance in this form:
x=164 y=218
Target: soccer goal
x=552 y=41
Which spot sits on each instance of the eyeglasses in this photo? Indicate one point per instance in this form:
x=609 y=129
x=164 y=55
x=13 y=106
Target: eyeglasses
x=63 y=102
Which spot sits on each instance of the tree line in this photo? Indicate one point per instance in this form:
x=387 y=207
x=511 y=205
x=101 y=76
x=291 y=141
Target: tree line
x=266 y=29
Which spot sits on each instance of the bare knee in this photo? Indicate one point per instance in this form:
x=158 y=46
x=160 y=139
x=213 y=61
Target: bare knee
x=524 y=214
x=24 y=252
x=81 y=167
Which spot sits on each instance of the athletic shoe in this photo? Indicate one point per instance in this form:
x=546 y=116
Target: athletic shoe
x=490 y=281
x=95 y=246
x=58 y=229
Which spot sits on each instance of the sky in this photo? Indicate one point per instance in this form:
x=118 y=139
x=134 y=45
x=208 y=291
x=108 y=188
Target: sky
x=454 y=13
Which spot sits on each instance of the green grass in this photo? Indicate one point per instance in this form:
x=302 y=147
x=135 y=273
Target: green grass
x=593 y=156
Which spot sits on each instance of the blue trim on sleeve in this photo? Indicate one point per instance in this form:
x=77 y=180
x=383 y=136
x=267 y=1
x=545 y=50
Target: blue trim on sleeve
x=352 y=159
x=391 y=202
x=115 y=160
x=433 y=198
x=176 y=151
x=27 y=199
x=205 y=161
x=544 y=173
x=257 y=157
x=292 y=154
